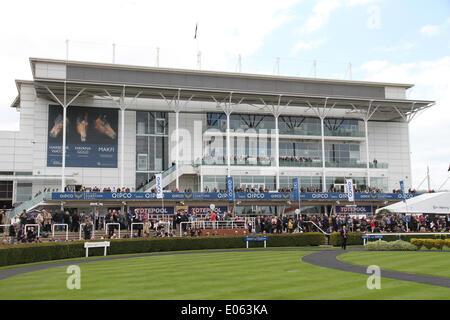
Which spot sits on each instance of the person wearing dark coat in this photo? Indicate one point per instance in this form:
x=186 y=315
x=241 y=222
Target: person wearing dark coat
x=344 y=236
x=87 y=229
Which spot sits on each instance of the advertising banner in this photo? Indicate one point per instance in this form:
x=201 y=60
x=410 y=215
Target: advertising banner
x=91 y=137
x=230 y=189
x=159 y=188
x=149 y=211
x=296 y=189
x=402 y=187
x=205 y=210
x=350 y=193
x=97 y=196
x=354 y=210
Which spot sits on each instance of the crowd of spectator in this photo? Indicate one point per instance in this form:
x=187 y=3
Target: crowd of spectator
x=165 y=226
x=297 y=159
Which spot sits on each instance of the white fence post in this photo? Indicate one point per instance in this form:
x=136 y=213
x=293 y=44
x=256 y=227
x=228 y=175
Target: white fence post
x=112 y=223
x=30 y=225
x=93 y=229
x=60 y=224
x=132 y=227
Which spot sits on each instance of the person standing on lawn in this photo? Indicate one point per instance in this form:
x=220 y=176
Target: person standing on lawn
x=344 y=235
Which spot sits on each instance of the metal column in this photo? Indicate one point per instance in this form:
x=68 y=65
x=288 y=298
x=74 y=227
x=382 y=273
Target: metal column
x=277 y=153
x=367 y=152
x=324 y=183
x=228 y=147
x=122 y=146
x=177 y=150
x=63 y=165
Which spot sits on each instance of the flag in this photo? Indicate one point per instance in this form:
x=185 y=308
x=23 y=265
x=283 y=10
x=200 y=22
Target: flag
x=159 y=189
x=402 y=187
x=230 y=189
x=296 y=189
x=195 y=35
x=350 y=193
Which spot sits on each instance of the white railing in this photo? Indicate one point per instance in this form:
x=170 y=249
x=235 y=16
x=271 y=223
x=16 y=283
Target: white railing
x=112 y=223
x=135 y=223
x=168 y=223
x=60 y=224
x=400 y=234
x=222 y=224
x=31 y=225
x=93 y=229
x=327 y=234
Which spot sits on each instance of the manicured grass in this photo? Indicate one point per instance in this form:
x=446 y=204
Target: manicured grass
x=422 y=262
x=224 y=275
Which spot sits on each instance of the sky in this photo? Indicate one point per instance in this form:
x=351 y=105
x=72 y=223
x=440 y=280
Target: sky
x=405 y=41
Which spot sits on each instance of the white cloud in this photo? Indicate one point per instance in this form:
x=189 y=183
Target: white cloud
x=429 y=132
x=352 y=3
x=322 y=11
x=225 y=29
x=429 y=30
x=301 y=45
x=433 y=30
x=320 y=15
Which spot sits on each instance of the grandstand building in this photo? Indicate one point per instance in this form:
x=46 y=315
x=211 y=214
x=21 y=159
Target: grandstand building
x=123 y=123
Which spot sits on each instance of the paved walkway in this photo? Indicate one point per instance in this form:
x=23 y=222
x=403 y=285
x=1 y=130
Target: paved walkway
x=328 y=259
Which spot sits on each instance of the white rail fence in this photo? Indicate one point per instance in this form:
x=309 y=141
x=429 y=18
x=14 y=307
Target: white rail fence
x=60 y=224
x=223 y=224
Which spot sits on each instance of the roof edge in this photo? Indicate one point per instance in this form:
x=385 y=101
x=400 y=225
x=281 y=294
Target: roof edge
x=33 y=60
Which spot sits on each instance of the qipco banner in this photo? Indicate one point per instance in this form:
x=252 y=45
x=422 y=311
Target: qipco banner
x=91 y=138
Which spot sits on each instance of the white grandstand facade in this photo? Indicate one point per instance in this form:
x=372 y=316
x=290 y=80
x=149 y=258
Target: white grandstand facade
x=124 y=122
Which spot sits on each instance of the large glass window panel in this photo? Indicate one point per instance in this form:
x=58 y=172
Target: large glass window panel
x=142 y=122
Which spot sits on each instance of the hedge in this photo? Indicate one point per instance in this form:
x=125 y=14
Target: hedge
x=398 y=245
x=36 y=252
x=355 y=238
x=431 y=243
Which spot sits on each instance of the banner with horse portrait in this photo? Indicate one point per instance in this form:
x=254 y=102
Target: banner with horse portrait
x=91 y=137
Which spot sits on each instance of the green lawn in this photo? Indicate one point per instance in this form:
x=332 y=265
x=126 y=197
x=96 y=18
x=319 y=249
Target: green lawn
x=423 y=262
x=224 y=275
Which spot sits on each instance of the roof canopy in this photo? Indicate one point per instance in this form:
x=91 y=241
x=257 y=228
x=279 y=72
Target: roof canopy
x=428 y=203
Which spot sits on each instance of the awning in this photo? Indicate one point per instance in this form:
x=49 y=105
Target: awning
x=428 y=203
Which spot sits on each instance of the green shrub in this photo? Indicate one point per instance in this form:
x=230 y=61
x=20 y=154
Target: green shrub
x=431 y=243
x=439 y=243
x=428 y=243
x=354 y=238
x=417 y=242
x=28 y=253
x=398 y=245
x=447 y=243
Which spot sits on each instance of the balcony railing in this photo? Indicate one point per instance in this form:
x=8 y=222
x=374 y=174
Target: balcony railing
x=294 y=163
x=355 y=165
x=294 y=131
x=248 y=162
x=305 y=164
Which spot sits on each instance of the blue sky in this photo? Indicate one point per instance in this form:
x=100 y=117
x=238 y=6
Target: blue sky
x=385 y=40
